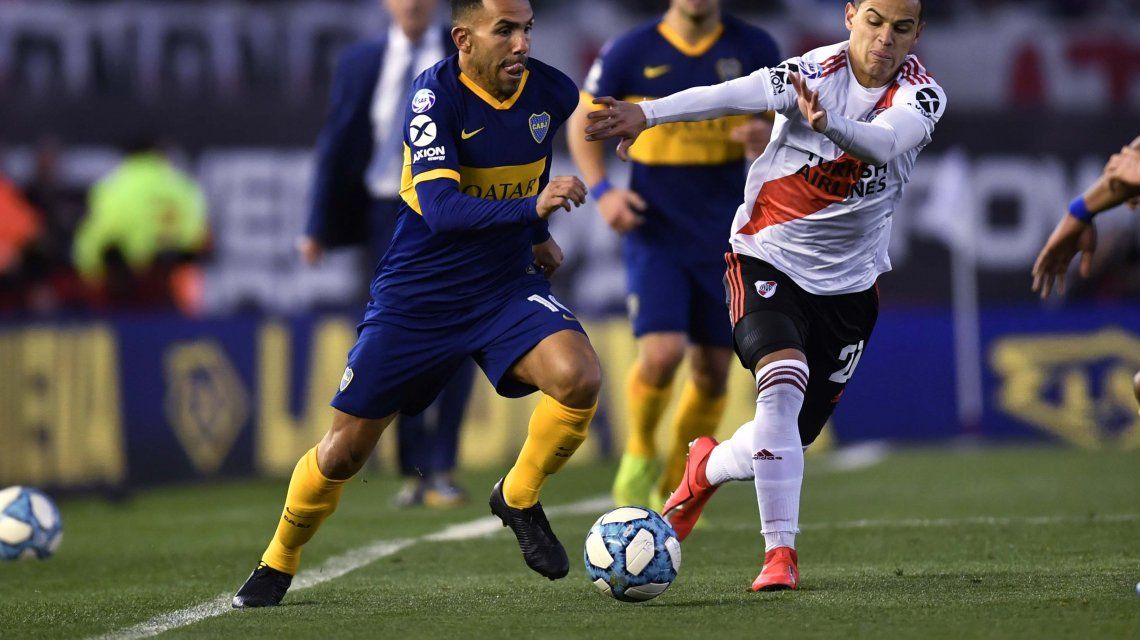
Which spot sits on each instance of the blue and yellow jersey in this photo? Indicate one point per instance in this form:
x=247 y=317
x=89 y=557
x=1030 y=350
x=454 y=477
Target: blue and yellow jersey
x=473 y=168
x=691 y=174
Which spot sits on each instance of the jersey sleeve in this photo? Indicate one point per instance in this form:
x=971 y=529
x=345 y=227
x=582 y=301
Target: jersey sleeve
x=566 y=96
x=925 y=101
x=908 y=123
x=766 y=89
x=431 y=132
x=781 y=93
x=430 y=182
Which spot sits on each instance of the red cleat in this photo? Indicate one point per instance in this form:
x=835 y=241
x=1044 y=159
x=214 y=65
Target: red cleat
x=684 y=506
x=780 y=571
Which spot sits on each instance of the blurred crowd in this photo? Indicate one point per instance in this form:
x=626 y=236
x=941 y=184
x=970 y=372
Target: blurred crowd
x=944 y=9
x=129 y=242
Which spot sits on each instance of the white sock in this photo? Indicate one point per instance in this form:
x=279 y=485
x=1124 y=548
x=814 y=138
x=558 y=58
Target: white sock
x=732 y=459
x=777 y=451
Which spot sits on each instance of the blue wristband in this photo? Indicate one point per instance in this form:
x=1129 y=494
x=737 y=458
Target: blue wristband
x=1079 y=210
x=600 y=188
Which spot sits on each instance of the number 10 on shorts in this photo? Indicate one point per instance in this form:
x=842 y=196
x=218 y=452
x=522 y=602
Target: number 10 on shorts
x=851 y=354
x=550 y=302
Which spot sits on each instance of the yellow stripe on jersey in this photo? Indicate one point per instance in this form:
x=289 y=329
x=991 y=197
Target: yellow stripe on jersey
x=502 y=183
x=490 y=99
x=695 y=50
x=408 y=183
x=688 y=143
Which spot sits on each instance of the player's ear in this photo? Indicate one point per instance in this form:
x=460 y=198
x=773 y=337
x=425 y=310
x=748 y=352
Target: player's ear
x=461 y=36
x=849 y=15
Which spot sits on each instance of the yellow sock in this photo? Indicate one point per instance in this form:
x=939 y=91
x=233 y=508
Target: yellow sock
x=645 y=405
x=554 y=434
x=697 y=415
x=311 y=498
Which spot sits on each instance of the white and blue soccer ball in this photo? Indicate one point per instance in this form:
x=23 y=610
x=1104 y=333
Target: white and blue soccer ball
x=30 y=526
x=632 y=554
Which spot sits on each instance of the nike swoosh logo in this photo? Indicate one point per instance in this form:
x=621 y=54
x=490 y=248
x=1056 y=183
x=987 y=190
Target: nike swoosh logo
x=465 y=135
x=656 y=72
x=571 y=319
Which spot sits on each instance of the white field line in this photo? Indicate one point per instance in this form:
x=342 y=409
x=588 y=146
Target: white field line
x=342 y=564
x=848 y=459
x=925 y=523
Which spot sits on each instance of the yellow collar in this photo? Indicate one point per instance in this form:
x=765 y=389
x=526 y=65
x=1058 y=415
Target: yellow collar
x=490 y=99
x=692 y=50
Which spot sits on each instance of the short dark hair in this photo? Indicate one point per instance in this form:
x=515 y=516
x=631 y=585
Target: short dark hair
x=460 y=8
x=921 y=8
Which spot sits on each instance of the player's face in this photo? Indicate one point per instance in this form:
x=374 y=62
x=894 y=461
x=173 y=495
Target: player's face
x=413 y=17
x=882 y=34
x=696 y=10
x=497 y=43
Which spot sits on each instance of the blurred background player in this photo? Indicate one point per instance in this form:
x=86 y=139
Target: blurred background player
x=808 y=245
x=1076 y=233
x=356 y=199
x=145 y=228
x=465 y=278
x=682 y=194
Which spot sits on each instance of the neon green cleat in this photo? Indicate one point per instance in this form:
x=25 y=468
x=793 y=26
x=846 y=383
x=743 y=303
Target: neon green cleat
x=635 y=478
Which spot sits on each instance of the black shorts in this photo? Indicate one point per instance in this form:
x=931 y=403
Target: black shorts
x=770 y=312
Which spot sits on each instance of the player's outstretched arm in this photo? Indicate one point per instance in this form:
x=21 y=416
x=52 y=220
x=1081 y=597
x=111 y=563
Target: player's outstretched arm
x=625 y=120
x=1075 y=233
x=1071 y=236
x=619 y=207
x=446 y=209
x=894 y=132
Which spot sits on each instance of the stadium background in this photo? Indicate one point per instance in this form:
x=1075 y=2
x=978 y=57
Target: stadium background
x=1041 y=93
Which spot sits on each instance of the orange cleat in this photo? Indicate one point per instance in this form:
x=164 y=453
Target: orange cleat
x=780 y=571
x=684 y=506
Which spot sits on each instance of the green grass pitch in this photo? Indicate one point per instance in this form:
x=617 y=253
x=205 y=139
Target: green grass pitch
x=995 y=543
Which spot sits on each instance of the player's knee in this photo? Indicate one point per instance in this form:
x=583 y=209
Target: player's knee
x=576 y=382
x=347 y=446
x=709 y=371
x=658 y=362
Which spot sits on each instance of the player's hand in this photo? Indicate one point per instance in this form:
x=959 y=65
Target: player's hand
x=808 y=102
x=620 y=207
x=1125 y=167
x=1068 y=238
x=616 y=119
x=754 y=135
x=311 y=250
x=548 y=256
x=562 y=192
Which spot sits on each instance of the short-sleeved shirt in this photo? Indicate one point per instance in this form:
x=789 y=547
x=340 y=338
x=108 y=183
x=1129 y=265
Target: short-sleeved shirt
x=691 y=174
x=455 y=130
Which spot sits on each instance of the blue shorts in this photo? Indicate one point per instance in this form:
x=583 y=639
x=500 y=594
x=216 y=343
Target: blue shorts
x=395 y=368
x=671 y=295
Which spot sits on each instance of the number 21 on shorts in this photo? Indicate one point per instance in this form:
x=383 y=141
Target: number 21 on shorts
x=850 y=354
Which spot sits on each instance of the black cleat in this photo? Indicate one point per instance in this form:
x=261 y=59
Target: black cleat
x=540 y=548
x=265 y=587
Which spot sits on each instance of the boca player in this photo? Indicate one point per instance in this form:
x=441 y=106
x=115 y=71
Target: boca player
x=685 y=182
x=808 y=244
x=465 y=277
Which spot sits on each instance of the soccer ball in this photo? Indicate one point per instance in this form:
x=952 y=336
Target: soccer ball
x=29 y=524
x=632 y=554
